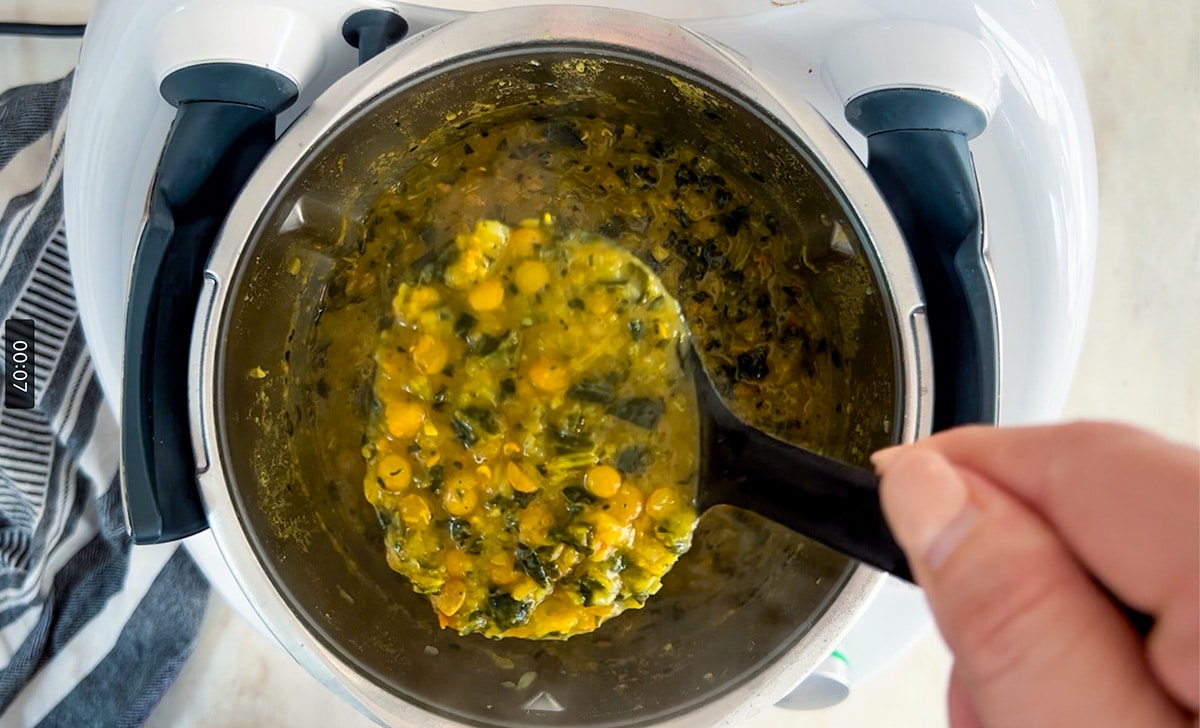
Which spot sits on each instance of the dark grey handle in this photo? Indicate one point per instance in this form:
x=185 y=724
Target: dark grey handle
x=919 y=158
x=372 y=31
x=824 y=499
x=224 y=126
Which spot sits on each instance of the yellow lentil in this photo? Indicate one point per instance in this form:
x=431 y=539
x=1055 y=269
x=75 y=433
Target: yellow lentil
x=602 y=481
x=549 y=376
x=404 y=419
x=429 y=354
x=395 y=472
x=487 y=296
x=517 y=478
x=531 y=276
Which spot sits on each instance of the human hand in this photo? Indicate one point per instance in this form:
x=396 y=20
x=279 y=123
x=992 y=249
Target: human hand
x=1012 y=532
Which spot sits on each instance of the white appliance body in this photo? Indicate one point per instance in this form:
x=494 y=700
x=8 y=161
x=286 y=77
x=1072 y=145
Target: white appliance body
x=1035 y=164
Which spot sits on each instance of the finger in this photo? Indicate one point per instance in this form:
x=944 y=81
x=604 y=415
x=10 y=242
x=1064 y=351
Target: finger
x=959 y=706
x=1125 y=501
x=1036 y=642
x=1174 y=647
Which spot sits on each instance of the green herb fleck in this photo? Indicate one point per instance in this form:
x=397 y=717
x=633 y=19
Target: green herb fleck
x=437 y=476
x=482 y=344
x=645 y=412
x=571 y=437
x=464 y=324
x=460 y=533
x=577 y=498
x=463 y=429
x=591 y=390
x=529 y=562
x=633 y=459
x=507 y=611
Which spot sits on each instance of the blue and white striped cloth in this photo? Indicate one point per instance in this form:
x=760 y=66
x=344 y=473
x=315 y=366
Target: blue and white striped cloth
x=92 y=630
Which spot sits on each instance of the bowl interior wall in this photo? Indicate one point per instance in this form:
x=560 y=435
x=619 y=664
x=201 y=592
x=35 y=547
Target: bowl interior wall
x=746 y=592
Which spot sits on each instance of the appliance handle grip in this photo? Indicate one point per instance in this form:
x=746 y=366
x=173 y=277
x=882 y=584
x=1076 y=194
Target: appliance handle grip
x=918 y=156
x=224 y=126
x=372 y=31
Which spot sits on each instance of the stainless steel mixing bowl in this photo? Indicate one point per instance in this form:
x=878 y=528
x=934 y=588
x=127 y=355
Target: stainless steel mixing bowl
x=749 y=611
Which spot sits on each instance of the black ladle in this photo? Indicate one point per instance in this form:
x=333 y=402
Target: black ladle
x=819 y=497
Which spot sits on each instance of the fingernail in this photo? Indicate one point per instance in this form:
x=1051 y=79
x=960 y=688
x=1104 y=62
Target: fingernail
x=885 y=457
x=927 y=505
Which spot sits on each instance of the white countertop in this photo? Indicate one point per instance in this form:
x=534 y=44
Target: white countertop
x=1141 y=357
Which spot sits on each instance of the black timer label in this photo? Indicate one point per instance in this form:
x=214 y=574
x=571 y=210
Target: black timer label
x=19 y=360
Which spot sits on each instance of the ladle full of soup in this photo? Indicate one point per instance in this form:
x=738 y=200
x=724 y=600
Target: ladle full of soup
x=533 y=451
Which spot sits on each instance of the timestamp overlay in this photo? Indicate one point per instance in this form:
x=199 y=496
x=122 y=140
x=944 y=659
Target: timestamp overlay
x=19 y=359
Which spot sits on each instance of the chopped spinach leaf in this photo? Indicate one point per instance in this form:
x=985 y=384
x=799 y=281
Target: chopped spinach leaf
x=722 y=197
x=507 y=507
x=752 y=365
x=564 y=134
x=481 y=417
x=734 y=220
x=464 y=324
x=463 y=429
x=633 y=459
x=578 y=535
x=615 y=227
x=482 y=344
x=645 y=412
x=589 y=588
x=571 y=436
x=572 y=443
x=507 y=611
x=684 y=176
x=591 y=390
x=431 y=266
x=576 y=494
x=577 y=498
x=460 y=531
x=464 y=538
x=528 y=561
x=437 y=476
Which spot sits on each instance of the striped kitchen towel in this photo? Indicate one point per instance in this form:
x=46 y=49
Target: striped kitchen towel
x=92 y=630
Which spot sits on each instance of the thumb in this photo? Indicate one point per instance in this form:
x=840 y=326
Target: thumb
x=1035 y=641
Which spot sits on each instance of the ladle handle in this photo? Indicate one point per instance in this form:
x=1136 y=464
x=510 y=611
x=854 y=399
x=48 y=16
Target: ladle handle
x=917 y=153
x=829 y=501
x=224 y=126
